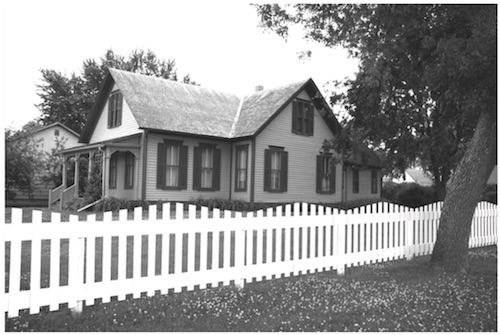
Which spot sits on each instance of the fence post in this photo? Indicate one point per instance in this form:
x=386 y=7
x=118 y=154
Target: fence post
x=408 y=224
x=239 y=252
x=75 y=270
x=341 y=218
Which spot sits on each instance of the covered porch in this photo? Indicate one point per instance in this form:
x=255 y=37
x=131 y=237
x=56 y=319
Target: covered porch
x=108 y=169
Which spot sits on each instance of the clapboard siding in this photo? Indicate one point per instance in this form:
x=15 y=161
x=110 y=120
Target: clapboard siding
x=302 y=152
x=46 y=138
x=128 y=126
x=154 y=194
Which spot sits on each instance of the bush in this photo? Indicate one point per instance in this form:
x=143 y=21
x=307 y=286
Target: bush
x=409 y=194
x=490 y=194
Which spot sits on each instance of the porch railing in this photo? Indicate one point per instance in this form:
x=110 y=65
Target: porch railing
x=68 y=194
x=55 y=194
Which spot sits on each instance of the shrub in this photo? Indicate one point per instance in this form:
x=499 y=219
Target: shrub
x=490 y=194
x=409 y=194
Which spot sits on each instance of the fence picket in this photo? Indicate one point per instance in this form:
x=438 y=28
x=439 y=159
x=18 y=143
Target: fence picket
x=147 y=254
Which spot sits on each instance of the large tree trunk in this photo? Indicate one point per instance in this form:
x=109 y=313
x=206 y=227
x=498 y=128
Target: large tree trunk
x=462 y=195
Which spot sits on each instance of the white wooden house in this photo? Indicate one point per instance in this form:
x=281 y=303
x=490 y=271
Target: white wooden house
x=46 y=139
x=165 y=140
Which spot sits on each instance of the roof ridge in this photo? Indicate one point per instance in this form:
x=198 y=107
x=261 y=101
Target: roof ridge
x=236 y=117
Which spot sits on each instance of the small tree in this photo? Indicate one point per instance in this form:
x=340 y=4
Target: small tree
x=22 y=162
x=53 y=164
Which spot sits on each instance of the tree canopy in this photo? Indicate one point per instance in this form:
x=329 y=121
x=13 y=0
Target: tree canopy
x=426 y=72
x=68 y=99
x=425 y=93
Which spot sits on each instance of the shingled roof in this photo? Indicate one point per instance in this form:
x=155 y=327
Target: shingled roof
x=166 y=105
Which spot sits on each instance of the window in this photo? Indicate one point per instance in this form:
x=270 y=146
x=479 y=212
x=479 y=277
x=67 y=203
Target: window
x=115 y=109
x=374 y=182
x=206 y=168
x=302 y=118
x=113 y=162
x=241 y=168
x=355 y=181
x=325 y=174
x=275 y=169
x=172 y=165
x=129 y=170
x=56 y=132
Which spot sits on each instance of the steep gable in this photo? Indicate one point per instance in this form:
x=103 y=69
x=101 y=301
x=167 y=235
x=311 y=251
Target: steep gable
x=166 y=105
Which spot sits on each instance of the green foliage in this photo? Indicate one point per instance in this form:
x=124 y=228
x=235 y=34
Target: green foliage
x=68 y=99
x=409 y=194
x=232 y=205
x=22 y=162
x=490 y=194
x=426 y=73
x=53 y=164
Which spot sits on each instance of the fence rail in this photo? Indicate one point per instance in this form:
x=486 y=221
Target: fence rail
x=76 y=262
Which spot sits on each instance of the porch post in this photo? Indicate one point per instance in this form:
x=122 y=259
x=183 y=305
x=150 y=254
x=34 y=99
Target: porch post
x=91 y=164
x=105 y=164
x=77 y=175
x=64 y=184
x=64 y=174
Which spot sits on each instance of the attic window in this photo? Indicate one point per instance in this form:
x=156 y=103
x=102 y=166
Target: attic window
x=56 y=132
x=115 y=109
x=302 y=118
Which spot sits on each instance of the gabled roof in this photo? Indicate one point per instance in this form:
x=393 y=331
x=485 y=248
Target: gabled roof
x=55 y=124
x=166 y=105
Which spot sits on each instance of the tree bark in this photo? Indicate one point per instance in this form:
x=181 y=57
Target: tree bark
x=463 y=193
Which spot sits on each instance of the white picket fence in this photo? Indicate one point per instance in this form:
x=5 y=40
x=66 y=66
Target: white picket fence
x=76 y=262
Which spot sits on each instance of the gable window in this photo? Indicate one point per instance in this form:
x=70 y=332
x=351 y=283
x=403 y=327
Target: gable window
x=56 y=132
x=355 y=181
x=241 y=167
x=115 y=104
x=325 y=174
x=374 y=181
x=275 y=169
x=172 y=165
x=113 y=171
x=129 y=170
x=206 y=168
x=302 y=118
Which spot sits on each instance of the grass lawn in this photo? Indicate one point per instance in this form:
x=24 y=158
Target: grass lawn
x=396 y=296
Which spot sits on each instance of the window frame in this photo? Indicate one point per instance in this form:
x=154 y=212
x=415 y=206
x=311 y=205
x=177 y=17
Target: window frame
x=355 y=180
x=320 y=173
x=302 y=117
x=238 y=168
x=283 y=171
x=161 y=170
x=115 y=107
x=129 y=170
x=198 y=167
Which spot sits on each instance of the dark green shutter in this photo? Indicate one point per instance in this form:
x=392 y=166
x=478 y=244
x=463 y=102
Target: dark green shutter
x=111 y=104
x=197 y=168
x=284 y=171
x=160 y=166
x=119 y=105
x=295 y=116
x=267 y=170
x=310 y=117
x=216 y=171
x=183 y=162
x=319 y=173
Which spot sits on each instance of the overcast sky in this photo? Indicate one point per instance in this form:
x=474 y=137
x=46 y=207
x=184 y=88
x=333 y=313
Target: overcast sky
x=217 y=43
